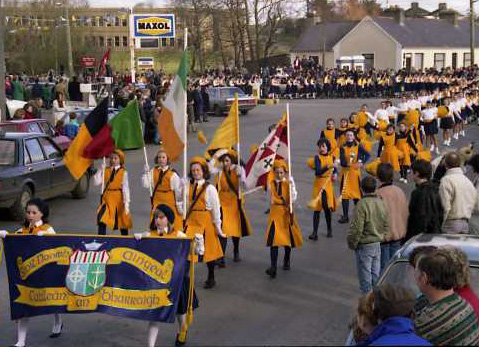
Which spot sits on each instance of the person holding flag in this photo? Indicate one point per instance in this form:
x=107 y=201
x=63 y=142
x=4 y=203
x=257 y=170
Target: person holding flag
x=114 y=209
x=283 y=229
x=228 y=180
x=166 y=186
x=203 y=216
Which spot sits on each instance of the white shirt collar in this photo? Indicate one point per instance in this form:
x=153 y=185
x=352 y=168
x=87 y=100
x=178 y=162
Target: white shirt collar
x=116 y=167
x=200 y=182
x=37 y=223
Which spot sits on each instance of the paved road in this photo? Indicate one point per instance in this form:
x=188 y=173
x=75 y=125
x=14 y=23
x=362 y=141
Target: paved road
x=309 y=305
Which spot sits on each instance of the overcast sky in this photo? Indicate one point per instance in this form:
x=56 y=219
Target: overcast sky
x=460 y=5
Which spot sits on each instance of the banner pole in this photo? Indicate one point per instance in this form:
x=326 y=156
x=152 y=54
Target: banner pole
x=103 y=176
x=148 y=172
x=185 y=130
x=238 y=147
x=290 y=171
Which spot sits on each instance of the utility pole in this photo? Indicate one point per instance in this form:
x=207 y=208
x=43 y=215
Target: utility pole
x=3 y=96
x=473 y=30
x=69 y=41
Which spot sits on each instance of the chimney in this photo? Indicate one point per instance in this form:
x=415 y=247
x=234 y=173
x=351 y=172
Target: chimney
x=442 y=7
x=400 y=16
x=414 y=6
x=451 y=16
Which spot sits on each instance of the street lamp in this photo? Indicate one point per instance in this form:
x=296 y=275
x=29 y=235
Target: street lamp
x=69 y=38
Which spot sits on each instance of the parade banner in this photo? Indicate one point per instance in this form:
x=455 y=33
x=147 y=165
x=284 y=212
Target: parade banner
x=106 y=274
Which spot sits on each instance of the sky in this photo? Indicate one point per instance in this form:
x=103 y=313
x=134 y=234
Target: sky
x=459 y=5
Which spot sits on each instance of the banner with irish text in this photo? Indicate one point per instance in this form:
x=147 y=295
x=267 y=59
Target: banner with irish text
x=107 y=274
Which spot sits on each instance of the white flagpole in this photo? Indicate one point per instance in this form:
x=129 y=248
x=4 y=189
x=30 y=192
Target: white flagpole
x=103 y=176
x=148 y=173
x=238 y=143
x=185 y=131
x=290 y=171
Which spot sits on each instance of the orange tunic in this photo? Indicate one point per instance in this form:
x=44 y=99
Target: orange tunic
x=163 y=194
x=112 y=209
x=351 y=175
x=33 y=230
x=323 y=183
x=330 y=134
x=390 y=153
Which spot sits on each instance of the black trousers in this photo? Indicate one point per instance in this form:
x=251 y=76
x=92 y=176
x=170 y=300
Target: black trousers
x=211 y=270
x=317 y=214
x=274 y=255
x=102 y=230
x=345 y=203
x=224 y=242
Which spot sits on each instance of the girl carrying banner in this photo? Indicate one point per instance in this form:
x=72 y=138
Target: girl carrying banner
x=166 y=186
x=203 y=216
x=228 y=180
x=323 y=198
x=36 y=223
x=163 y=225
x=283 y=229
x=114 y=209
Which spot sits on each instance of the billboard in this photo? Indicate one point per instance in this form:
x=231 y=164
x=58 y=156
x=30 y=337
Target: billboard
x=153 y=25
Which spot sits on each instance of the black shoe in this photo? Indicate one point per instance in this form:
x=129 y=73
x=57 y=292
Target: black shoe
x=236 y=258
x=286 y=266
x=178 y=342
x=55 y=335
x=343 y=220
x=271 y=272
x=209 y=284
x=267 y=211
x=221 y=263
x=330 y=233
x=313 y=236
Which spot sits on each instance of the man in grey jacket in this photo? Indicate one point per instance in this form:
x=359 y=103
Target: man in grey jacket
x=368 y=228
x=458 y=197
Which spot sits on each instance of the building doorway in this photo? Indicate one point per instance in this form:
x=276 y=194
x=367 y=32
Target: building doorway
x=368 y=61
x=454 y=60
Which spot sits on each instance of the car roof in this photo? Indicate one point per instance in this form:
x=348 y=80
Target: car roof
x=467 y=243
x=20 y=121
x=13 y=135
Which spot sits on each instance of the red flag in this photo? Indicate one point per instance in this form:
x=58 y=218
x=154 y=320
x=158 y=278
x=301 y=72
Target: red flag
x=260 y=164
x=106 y=56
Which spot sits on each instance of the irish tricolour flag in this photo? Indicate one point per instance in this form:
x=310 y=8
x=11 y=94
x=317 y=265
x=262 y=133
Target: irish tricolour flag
x=173 y=117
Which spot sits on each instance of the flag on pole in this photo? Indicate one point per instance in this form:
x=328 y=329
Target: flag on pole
x=123 y=132
x=104 y=59
x=260 y=164
x=226 y=136
x=172 y=117
x=94 y=124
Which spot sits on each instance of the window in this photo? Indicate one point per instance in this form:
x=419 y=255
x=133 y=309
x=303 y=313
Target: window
x=101 y=41
x=368 y=61
x=163 y=41
x=124 y=23
x=418 y=60
x=109 y=42
x=93 y=21
x=50 y=150
x=439 y=60
x=117 y=21
x=172 y=42
x=149 y=43
x=125 y=41
x=33 y=152
x=34 y=128
x=117 y=41
x=407 y=61
x=7 y=152
x=467 y=59
x=454 y=60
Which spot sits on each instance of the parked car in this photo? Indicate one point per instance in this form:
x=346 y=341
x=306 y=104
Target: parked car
x=31 y=164
x=36 y=126
x=398 y=271
x=221 y=99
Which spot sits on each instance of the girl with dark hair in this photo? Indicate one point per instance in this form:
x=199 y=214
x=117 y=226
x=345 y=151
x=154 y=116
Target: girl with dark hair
x=228 y=180
x=323 y=198
x=203 y=216
x=35 y=223
x=163 y=225
x=387 y=149
x=166 y=187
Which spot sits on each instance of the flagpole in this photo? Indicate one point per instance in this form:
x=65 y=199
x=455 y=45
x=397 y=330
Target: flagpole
x=103 y=176
x=148 y=172
x=290 y=171
x=238 y=148
x=185 y=132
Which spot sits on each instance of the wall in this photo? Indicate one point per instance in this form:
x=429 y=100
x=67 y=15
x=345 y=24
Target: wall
x=428 y=56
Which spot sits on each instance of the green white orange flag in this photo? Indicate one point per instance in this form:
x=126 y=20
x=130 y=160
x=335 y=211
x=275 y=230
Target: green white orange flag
x=173 y=117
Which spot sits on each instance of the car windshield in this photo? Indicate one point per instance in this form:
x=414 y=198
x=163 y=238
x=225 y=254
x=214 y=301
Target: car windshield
x=230 y=93
x=400 y=273
x=7 y=152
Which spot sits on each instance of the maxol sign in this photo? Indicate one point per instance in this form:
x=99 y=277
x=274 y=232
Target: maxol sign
x=153 y=25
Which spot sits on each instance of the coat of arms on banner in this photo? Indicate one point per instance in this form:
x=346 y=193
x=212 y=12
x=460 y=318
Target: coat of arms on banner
x=86 y=274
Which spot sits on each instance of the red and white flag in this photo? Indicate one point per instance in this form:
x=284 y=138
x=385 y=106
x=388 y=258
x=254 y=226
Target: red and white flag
x=260 y=164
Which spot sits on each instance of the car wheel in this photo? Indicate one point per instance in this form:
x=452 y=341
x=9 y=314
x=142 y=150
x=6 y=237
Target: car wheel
x=244 y=112
x=17 y=211
x=217 y=111
x=82 y=187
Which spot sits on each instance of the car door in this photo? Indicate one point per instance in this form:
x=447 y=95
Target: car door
x=61 y=180
x=36 y=167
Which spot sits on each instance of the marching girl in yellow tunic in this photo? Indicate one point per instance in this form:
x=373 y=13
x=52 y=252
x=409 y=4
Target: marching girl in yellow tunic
x=228 y=180
x=203 y=215
x=362 y=121
x=114 y=209
x=163 y=225
x=446 y=121
x=281 y=230
x=387 y=149
x=166 y=186
x=36 y=223
x=343 y=126
x=352 y=156
x=406 y=145
x=412 y=119
x=323 y=198
x=332 y=134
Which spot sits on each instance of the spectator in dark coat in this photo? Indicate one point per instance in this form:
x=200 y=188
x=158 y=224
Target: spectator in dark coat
x=198 y=105
x=425 y=210
x=74 y=89
x=37 y=89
